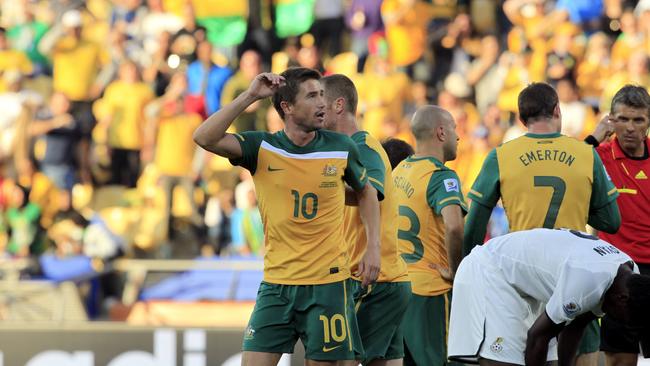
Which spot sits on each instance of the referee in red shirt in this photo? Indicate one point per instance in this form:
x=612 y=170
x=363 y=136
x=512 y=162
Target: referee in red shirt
x=627 y=163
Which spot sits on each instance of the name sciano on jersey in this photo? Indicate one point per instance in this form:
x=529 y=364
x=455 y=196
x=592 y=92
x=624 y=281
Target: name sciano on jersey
x=545 y=154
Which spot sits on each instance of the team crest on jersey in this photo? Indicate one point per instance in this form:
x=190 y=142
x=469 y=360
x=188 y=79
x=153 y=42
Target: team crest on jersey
x=330 y=170
x=497 y=346
x=571 y=308
x=451 y=185
x=249 y=333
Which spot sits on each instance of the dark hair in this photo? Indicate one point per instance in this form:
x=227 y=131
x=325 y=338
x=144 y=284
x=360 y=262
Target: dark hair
x=632 y=96
x=536 y=101
x=293 y=77
x=397 y=150
x=339 y=85
x=639 y=300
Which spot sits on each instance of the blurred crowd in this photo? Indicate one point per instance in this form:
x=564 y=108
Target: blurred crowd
x=99 y=100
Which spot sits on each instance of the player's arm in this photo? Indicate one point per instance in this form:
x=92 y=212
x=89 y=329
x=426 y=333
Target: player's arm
x=375 y=169
x=607 y=219
x=369 y=212
x=477 y=222
x=569 y=339
x=444 y=197
x=211 y=134
x=356 y=177
x=603 y=209
x=539 y=335
x=452 y=216
x=484 y=194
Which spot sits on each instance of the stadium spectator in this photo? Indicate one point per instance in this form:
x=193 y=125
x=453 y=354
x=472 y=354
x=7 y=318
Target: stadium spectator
x=12 y=59
x=169 y=136
x=253 y=118
x=122 y=119
x=56 y=135
x=205 y=82
x=363 y=18
x=23 y=222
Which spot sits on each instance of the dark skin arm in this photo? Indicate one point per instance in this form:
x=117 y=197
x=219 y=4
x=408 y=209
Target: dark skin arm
x=570 y=337
x=544 y=329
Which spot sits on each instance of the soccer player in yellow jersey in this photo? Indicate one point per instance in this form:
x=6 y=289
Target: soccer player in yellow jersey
x=380 y=307
x=431 y=209
x=300 y=175
x=544 y=180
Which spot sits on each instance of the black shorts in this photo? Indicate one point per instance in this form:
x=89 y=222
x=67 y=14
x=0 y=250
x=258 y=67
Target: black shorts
x=616 y=337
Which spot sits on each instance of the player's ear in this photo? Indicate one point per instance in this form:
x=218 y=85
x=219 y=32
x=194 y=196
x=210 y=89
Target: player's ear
x=286 y=107
x=556 y=111
x=440 y=133
x=339 y=105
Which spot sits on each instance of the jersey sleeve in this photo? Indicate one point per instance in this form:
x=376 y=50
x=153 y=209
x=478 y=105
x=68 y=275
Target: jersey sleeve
x=485 y=189
x=375 y=168
x=250 y=142
x=579 y=290
x=444 y=190
x=603 y=191
x=355 y=173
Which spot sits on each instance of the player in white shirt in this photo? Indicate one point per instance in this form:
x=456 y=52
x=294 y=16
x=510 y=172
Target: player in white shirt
x=514 y=295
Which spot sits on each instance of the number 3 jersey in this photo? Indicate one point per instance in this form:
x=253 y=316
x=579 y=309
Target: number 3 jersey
x=548 y=180
x=301 y=196
x=424 y=186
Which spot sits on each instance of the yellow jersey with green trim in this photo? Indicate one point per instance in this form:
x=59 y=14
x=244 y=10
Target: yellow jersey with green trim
x=424 y=187
x=301 y=197
x=375 y=160
x=544 y=181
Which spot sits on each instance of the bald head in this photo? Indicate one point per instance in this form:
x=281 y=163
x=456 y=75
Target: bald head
x=427 y=119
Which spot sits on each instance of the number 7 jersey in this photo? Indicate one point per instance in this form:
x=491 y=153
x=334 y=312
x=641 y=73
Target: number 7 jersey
x=301 y=195
x=549 y=181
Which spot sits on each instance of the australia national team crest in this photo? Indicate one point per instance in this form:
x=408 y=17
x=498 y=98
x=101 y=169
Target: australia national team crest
x=571 y=308
x=451 y=185
x=497 y=346
x=329 y=170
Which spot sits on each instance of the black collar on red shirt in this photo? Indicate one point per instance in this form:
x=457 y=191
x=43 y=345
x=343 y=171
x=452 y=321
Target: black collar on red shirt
x=618 y=152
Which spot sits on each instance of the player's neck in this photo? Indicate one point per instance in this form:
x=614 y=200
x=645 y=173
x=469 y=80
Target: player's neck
x=347 y=125
x=298 y=136
x=424 y=150
x=542 y=127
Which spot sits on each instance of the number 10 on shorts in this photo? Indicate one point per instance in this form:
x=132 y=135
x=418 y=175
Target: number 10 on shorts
x=334 y=328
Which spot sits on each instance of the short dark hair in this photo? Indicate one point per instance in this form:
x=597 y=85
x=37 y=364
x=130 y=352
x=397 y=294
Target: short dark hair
x=632 y=96
x=397 y=150
x=638 y=287
x=293 y=77
x=536 y=101
x=339 y=85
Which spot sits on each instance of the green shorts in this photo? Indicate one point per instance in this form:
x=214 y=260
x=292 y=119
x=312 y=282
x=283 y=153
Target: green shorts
x=590 y=341
x=380 y=309
x=425 y=325
x=322 y=316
